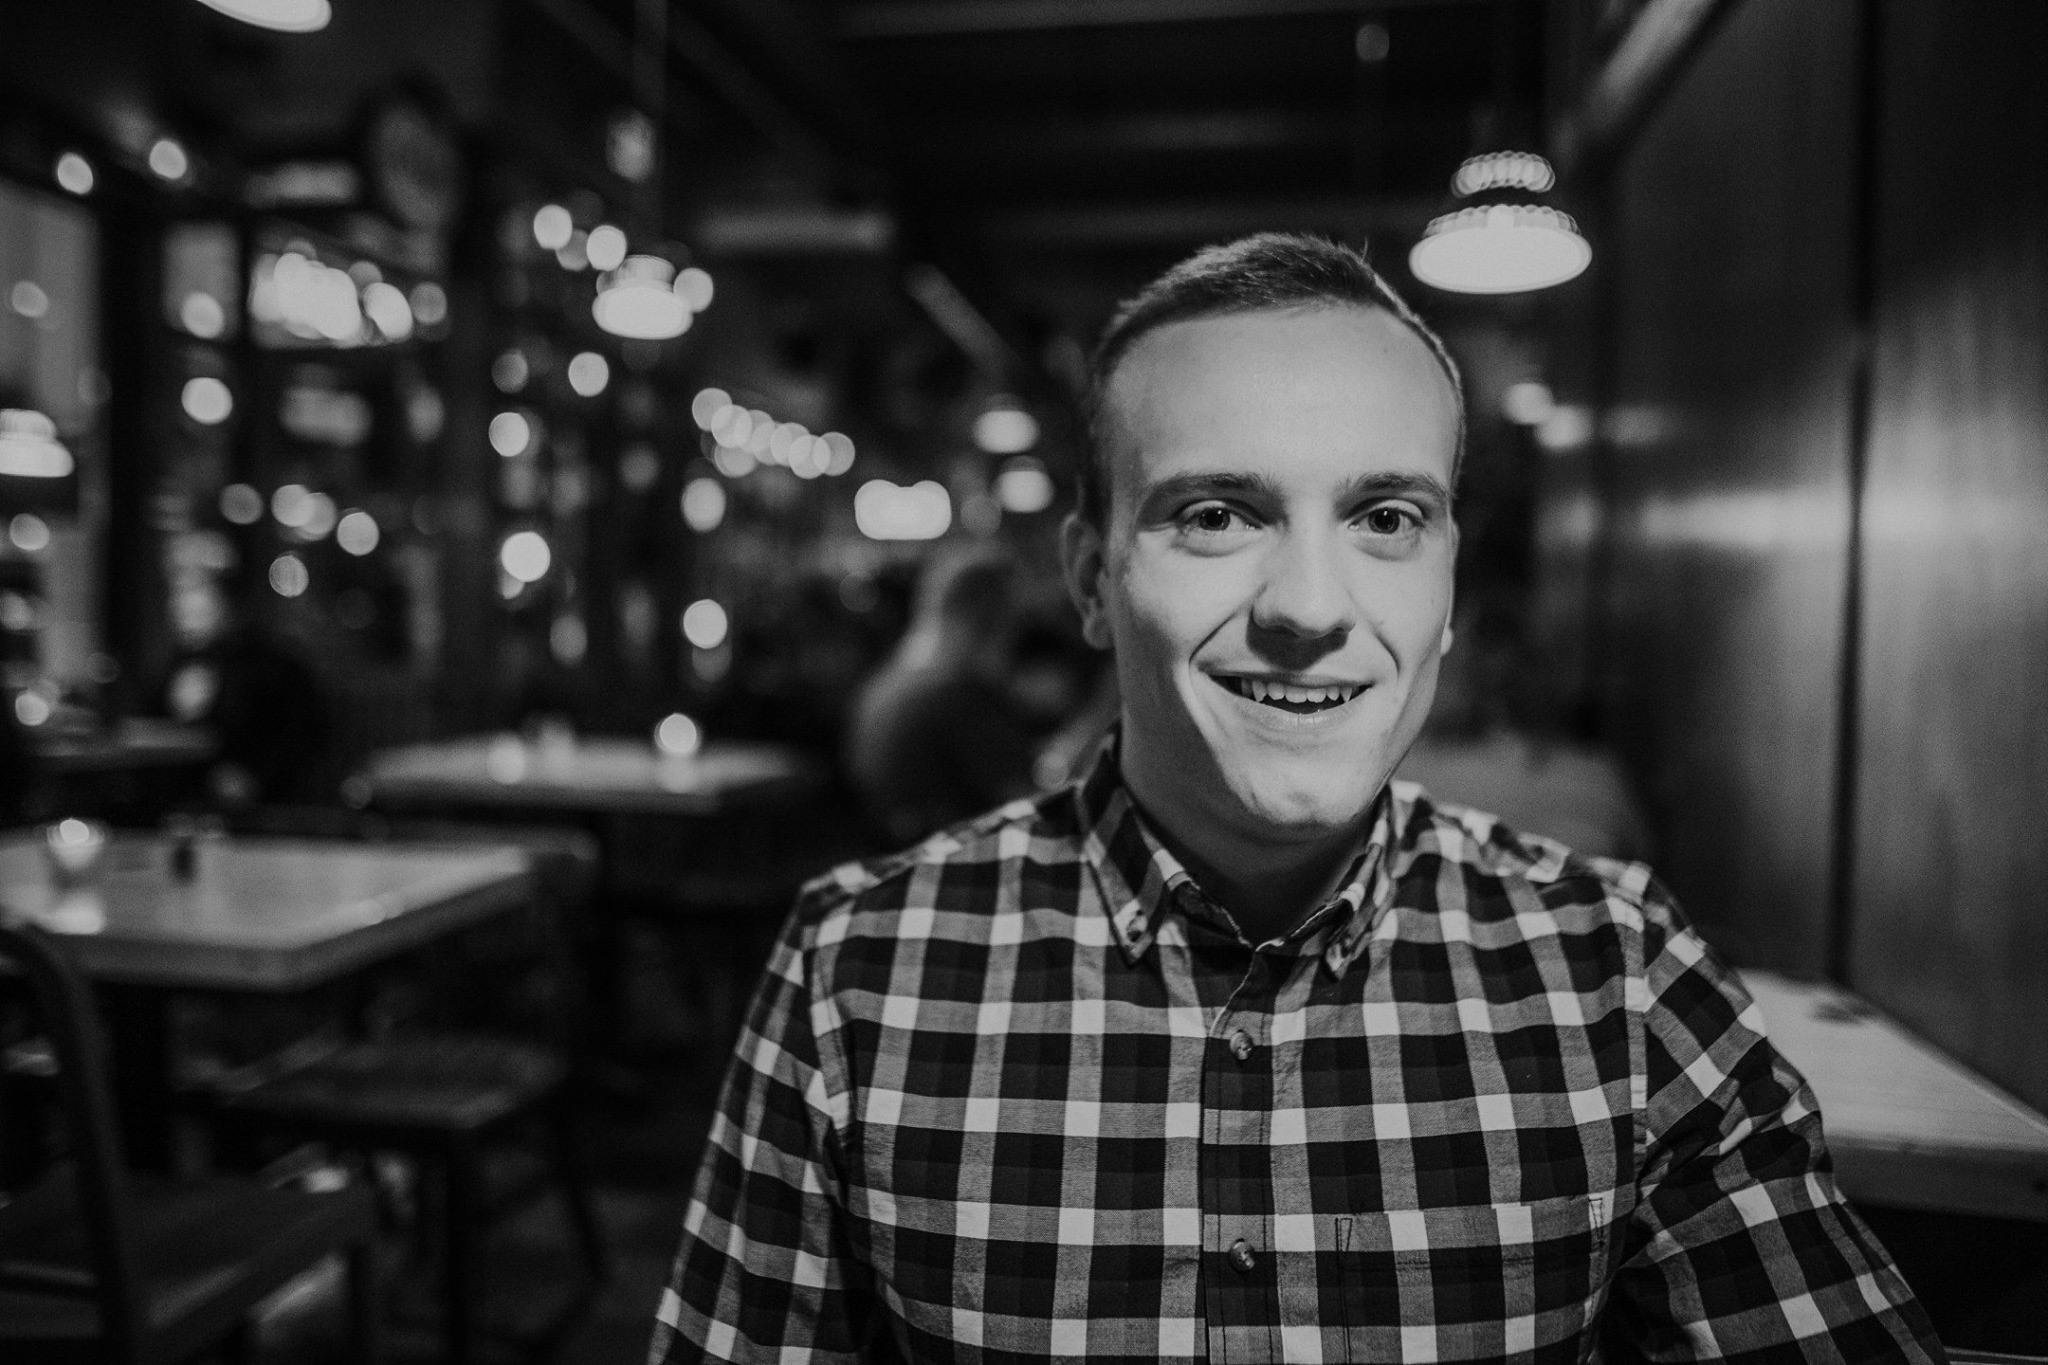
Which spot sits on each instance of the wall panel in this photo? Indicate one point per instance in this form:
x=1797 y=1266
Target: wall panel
x=1951 y=907
x=1727 y=441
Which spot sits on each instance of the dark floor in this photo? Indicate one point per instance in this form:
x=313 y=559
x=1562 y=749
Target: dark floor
x=642 y=1129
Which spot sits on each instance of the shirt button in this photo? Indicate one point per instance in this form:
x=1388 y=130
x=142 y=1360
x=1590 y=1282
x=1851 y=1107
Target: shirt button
x=1242 y=1258
x=1241 y=1047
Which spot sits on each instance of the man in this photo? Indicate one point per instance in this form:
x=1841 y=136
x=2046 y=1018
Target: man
x=1236 y=1051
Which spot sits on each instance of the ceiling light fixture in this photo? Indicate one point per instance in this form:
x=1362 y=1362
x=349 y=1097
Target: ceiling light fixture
x=642 y=297
x=1503 y=234
x=637 y=301
x=1504 y=239
x=279 y=16
x=29 y=448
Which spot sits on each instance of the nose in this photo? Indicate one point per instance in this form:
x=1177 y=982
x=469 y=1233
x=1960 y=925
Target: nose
x=1303 y=598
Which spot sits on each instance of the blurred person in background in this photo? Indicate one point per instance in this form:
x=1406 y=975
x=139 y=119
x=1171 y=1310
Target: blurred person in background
x=935 y=735
x=258 y=695
x=1235 y=1050
x=1502 y=739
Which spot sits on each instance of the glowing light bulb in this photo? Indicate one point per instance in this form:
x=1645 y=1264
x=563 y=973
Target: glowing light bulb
x=207 y=401
x=552 y=226
x=75 y=174
x=589 y=373
x=606 y=247
x=168 y=160
x=525 y=556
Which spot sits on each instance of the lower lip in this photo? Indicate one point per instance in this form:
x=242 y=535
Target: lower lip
x=1292 y=720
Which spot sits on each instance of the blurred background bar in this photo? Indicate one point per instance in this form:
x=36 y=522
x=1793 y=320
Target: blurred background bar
x=558 y=425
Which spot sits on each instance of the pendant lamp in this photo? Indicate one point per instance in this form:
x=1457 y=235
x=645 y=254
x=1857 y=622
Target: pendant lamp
x=638 y=301
x=644 y=299
x=280 y=16
x=29 y=448
x=1502 y=233
x=1504 y=236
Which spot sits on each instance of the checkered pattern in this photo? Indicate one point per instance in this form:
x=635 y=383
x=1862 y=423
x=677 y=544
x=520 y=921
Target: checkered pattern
x=1023 y=1093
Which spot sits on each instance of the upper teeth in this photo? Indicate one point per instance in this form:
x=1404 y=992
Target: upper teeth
x=1260 y=690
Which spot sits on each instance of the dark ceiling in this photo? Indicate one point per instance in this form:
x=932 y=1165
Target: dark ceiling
x=1048 y=155
x=1033 y=159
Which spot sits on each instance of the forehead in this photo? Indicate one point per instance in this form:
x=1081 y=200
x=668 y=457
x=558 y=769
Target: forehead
x=1344 y=382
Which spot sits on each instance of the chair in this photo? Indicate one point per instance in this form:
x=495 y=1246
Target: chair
x=443 y=1096
x=445 y=1099
x=99 y=1263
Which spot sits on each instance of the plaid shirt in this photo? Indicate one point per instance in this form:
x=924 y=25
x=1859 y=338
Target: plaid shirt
x=1024 y=1093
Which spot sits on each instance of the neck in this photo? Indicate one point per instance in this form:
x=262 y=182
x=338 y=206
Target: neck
x=1267 y=883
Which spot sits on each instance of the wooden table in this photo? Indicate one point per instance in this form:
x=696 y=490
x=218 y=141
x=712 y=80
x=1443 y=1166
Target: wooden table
x=260 y=916
x=591 y=776
x=127 y=745
x=1909 y=1126
x=659 y=820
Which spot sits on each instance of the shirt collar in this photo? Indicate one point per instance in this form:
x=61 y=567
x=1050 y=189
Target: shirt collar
x=1140 y=879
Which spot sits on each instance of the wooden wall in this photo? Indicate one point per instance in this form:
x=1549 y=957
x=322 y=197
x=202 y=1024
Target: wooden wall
x=1750 y=466
x=1951 y=802
x=1727 y=451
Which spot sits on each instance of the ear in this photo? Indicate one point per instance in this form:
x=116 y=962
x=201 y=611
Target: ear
x=1082 y=565
x=1451 y=607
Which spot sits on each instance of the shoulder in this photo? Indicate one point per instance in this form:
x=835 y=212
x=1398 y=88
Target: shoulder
x=1524 y=871
x=966 y=874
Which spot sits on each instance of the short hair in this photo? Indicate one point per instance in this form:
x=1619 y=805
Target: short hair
x=1269 y=270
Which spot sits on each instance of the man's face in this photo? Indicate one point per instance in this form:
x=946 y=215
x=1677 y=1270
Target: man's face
x=1274 y=574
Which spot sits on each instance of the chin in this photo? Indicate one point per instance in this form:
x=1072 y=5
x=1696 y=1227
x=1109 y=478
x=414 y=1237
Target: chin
x=1308 y=809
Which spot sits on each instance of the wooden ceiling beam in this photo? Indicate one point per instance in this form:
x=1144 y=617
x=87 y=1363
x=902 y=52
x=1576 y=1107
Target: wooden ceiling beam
x=1092 y=227
x=870 y=19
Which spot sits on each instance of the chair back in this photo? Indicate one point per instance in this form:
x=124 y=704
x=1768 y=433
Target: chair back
x=63 y=1008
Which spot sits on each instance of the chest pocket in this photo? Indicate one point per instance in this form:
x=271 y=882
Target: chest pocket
x=1476 y=1282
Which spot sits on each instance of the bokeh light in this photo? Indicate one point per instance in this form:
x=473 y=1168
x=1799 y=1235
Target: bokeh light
x=678 y=735
x=29 y=533
x=288 y=576
x=75 y=174
x=703 y=504
x=168 y=160
x=552 y=226
x=707 y=405
x=357 y=532
x=693 y=286
x=201 y=314
x=511 y=434
x=292 y=505
x=206 y=400
x=1005 y=428
x=1023 y=486
x=525 y=556
x=589 y=372
x=705 y=624
x=605 y=247
x=241 y=504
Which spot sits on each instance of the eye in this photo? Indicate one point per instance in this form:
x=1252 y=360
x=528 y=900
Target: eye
x=1390 y=519
x=1212 y=519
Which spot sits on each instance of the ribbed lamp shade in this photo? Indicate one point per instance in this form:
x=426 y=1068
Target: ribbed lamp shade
x=638 y=301
x=1504 y=239
x=282 y=16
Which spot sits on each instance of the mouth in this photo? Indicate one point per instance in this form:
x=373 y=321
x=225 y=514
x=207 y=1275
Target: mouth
x=1293 y=698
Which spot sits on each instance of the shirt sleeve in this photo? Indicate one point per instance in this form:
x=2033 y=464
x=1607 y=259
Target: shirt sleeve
x=763 y=1272
x=1741 y=1246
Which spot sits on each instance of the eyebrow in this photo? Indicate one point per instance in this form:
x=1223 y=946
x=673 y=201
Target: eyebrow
x=1380 y=483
